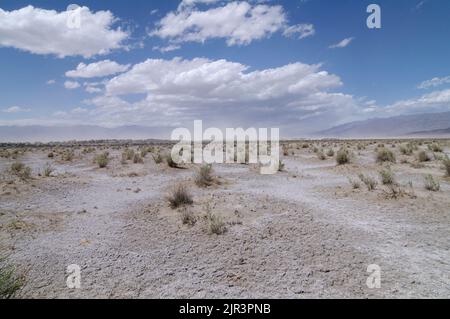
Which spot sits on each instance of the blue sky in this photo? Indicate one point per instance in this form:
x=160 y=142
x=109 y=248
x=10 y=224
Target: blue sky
x=378 y=73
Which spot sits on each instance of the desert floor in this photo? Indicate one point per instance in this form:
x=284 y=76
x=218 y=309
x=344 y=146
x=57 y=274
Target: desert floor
x=302 y=233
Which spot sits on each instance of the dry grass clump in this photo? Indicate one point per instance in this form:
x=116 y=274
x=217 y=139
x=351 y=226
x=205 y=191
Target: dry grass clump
x=423 y=156
x=321 y=155
x=51 y=155
x=102 y=160
x=214 y=223
x=387 y=177
x=10 y=282
x=431 y=184
x=370 y=182
x=406 y=149
x=158 y=158
x=187 y=217
x=330 y=152
x=21 y=170
x=127 y=154
x=385 y=155
x=180 y=197
x=343 y=156
x=435 y=147
x=48 y=170
x=355 y=183
x=204 y=177
x=446 y=162
x=68 y=155
x=137 y=159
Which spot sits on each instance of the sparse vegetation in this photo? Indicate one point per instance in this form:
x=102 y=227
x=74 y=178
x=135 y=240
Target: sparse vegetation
x=431 y=184
x=330 y=152
x=446 y=163
x=214 y=223
x=385 y=155
x=68 y=156
x=355 y=183
x=187 y=217
x=387 y=177
x=48 y=170
x=204 y=176
x=370 y=182
x=137 y=159
x=435 y=147
x=158 y=158
x=180 y=197
x=102 y=160
x=321 y=155
x=343 y=156
x=21 y=170
x=128 y=154
x=10 y=282
x=423 y=156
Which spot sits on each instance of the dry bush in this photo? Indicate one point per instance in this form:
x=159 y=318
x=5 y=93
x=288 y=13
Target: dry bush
x=137 y=159
x=214 y=223
x=423 y=156
x=102 y=160
x=330 y=152
x=128 y=154
x=158 y=158
x=355 y=183
x=204 y=177
x=435 y=147
x=10 y=282
x=187 y=217
x=180 y=197
x=385 y=155
x=50 y=155
x=446 y=163
x=68 y=156
x=431 y=184
x=406 y=149
x=343 y=156
x=48 y=170
x=387 y=177
x=370 y=182
x=21 y=170
x=321 y=155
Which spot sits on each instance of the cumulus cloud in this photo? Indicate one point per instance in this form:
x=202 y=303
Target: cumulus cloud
x=97 y=69
x=434 y=82
x=15 y=109
x=71 y=85
x=51 y=82
x=239 y=23
x=41 y=31
x=431 y=102
x=344 y=43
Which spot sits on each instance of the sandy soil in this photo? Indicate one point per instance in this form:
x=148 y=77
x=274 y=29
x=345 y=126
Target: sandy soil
x=303 y=233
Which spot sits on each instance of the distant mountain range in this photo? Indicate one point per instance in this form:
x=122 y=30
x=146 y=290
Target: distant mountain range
x=38 y=133
x=427 y=125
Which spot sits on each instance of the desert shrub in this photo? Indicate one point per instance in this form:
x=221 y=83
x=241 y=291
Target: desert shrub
x=355 y=183
x=370 y=182
x=215 y=224
x=343 y=156
x=387 y=177
x=305 y=145
x=423 y=156
x=158 y=158
x=330 y=152
x=406 y=149
x=10 y=282
x=48 y=170
x=315 y=149
x=187 y=217
x=68 y=156
x=21 y=170
x=144 y=152
x=321 y=156
x=204 y=176
x=128 y=154
x=180 y=197
x=137 y=159
x=360 y=147
x=435 y=147
x=431 y=184
x=285 y=152
x=385 y=155
x=102 y=160
x=446 y=162
x=50 y=155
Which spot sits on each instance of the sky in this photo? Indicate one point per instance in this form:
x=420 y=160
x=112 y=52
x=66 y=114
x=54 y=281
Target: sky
x=299 y=65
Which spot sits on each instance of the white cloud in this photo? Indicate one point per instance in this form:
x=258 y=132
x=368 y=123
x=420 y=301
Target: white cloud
x=16 y=109
x=434 y=101
x=71 y=85
x=51 y=82
x=344 y=43
x=239 y=23
x=169 y=48
x=434 y=82
x=302 y=30
x=97 y=69
x=43 y=31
